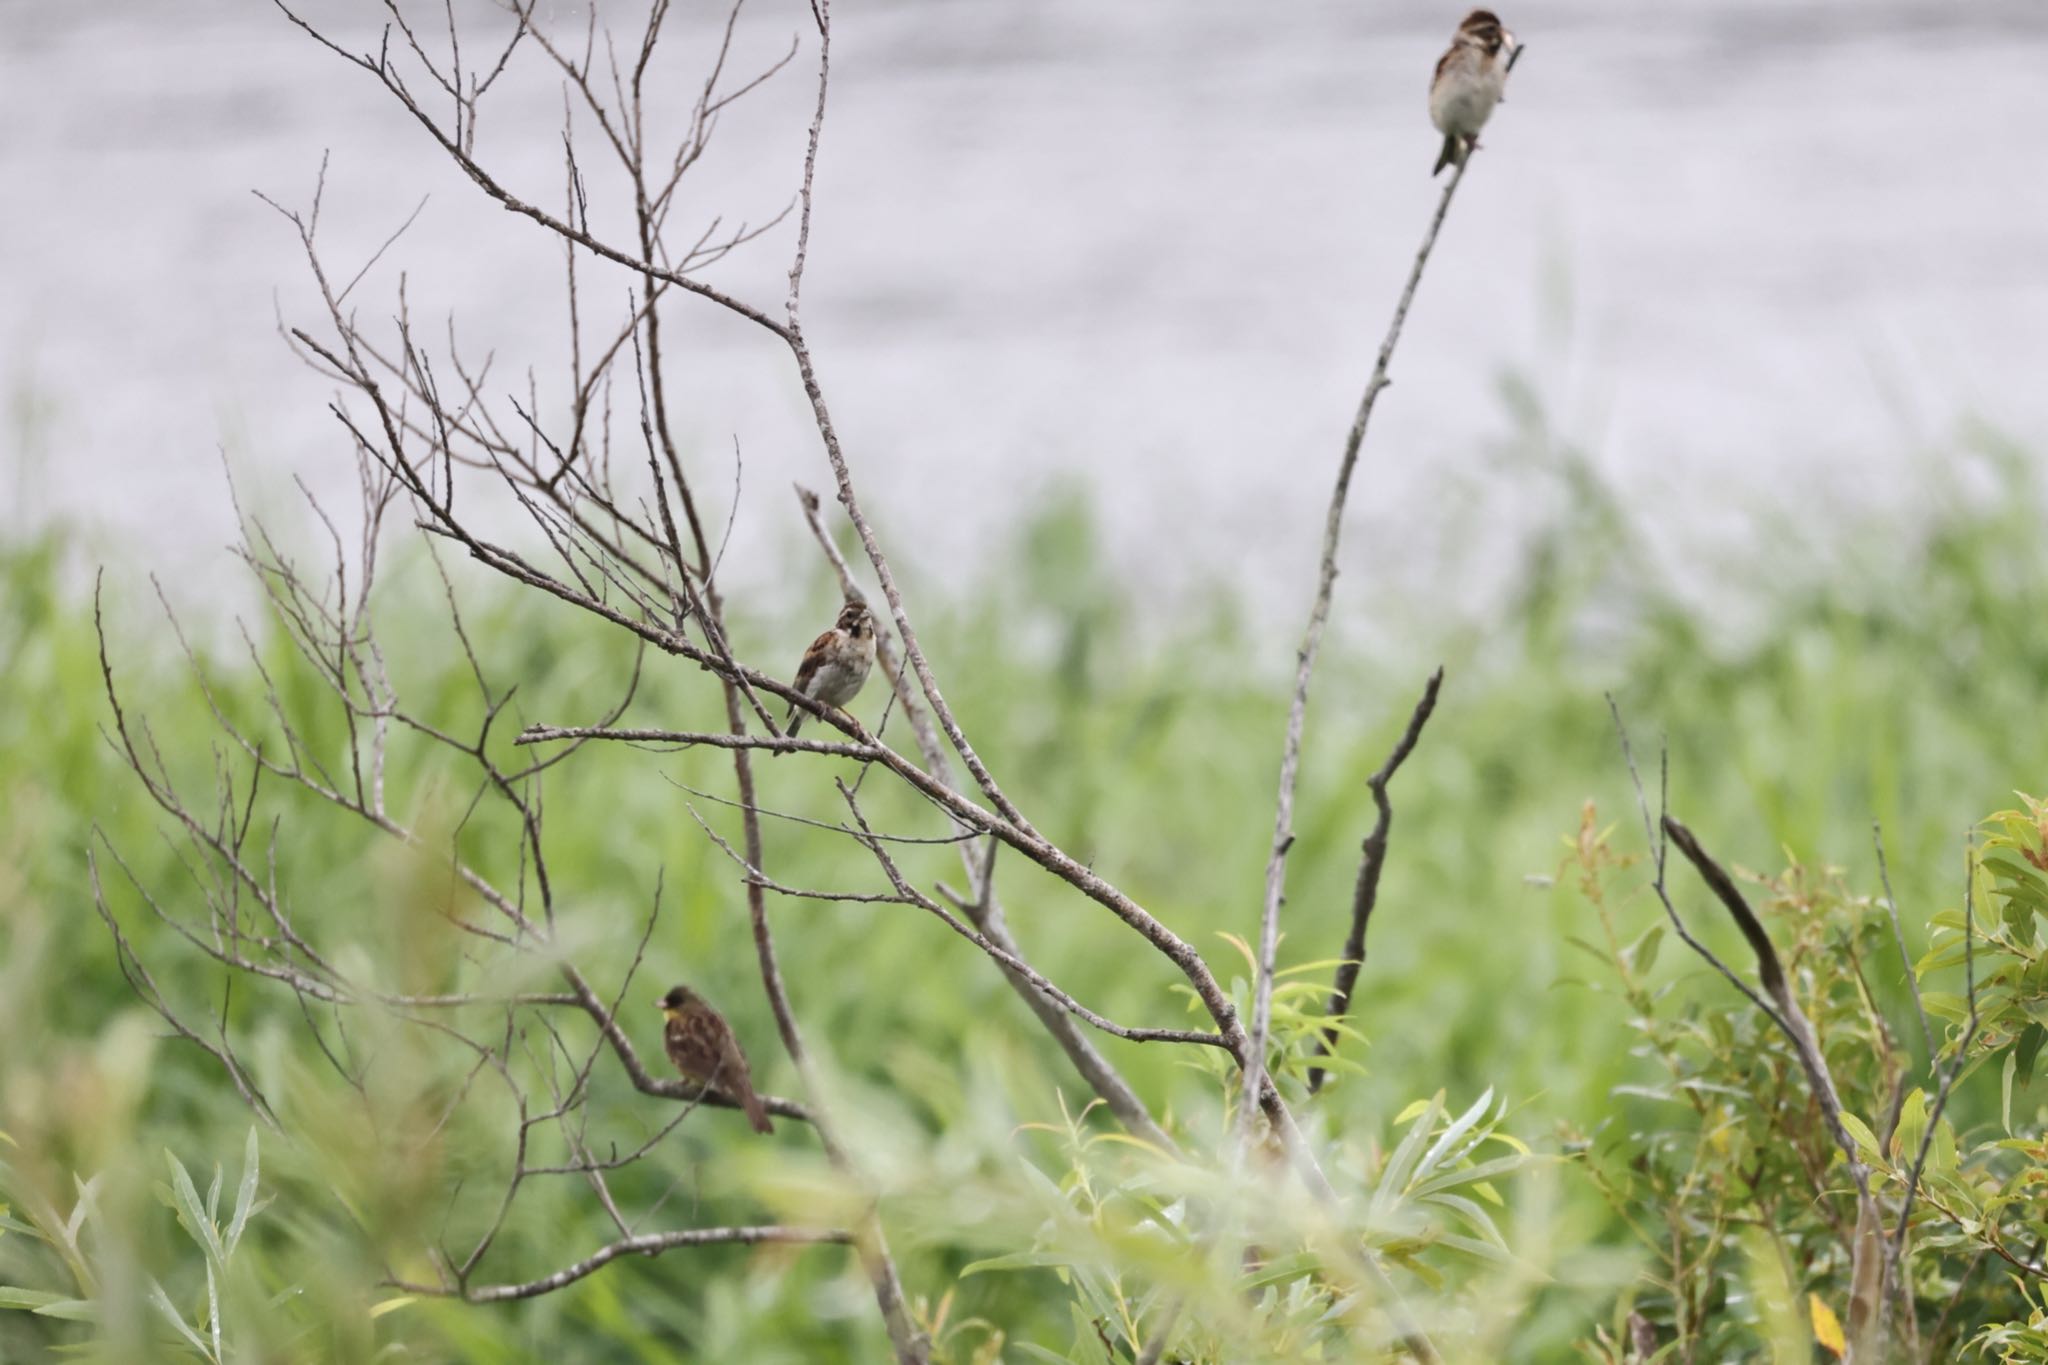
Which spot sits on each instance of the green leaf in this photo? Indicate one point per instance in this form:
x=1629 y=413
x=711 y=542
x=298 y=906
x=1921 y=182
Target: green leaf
x=1945 y=1005
x=1475 y=1217
x=14 y=1296
x=1282 y=1270
x=170 y=1310
x=1394 y=1179
x=1473 y=1246
x=245 y=1197
x=1251 y=959
x=2020 y=873
x=189 y=1211
x=88 y=1201
x=1328 y=964
x=1592 y=950
x=1016 y=1260
x=1459 y=1127
x=1941 y=1156
x=1643 y=955
x=2005 y=1091
x=1860 y=1132
x=213 y=1304
x=1912 y=1126
x=1646 y=1092
x=1414 y=1108
x=2027 y=1049
x=1485 y=1170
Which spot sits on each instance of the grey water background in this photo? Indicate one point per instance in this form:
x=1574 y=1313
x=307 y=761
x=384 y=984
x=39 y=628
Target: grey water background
x=1756 y=259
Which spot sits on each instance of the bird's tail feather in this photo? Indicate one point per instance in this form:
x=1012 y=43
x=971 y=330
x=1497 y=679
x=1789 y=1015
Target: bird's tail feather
x=757 y=1114
x=1450 y=154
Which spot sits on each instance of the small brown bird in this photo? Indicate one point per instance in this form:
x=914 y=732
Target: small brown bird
x=836 y=665
x=700 y=1043
x=1469 y=81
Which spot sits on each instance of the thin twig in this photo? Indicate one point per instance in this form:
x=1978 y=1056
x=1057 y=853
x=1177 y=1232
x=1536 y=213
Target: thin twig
x=1305 y=664
x=648 y=1244
x=1950 y=1070
x=683 y=739
x=1372 y=860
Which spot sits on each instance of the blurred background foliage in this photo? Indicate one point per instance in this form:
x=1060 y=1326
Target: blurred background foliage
x=1836 y=673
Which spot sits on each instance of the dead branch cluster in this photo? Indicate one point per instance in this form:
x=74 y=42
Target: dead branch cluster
x=607 y=518
x=577 y=489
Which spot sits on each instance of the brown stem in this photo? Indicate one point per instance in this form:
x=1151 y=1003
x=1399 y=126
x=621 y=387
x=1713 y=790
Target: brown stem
x=1373 y=857
x=1305 y=665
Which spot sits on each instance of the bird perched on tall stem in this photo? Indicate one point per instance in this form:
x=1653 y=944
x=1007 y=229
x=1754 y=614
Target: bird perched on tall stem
x=835 y=667
x=1469 y=80
x=700 y=1043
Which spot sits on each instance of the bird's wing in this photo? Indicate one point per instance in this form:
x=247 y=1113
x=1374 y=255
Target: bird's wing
x=682 y=1046
x=814 y=659
x=701 y=1042
x=732 y=1064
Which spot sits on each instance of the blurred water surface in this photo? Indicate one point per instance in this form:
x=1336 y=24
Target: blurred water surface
x=1746 y=253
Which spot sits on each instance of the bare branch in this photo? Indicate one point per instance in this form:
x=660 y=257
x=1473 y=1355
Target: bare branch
x=1305 y=665
x=1950 y=1070
x=379 y=66
x=648 y=1244
x=1373 y=858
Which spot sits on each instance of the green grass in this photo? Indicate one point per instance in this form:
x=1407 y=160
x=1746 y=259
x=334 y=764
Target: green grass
x=1897 y=677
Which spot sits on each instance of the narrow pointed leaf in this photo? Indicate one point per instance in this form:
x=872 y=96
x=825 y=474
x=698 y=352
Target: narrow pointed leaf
x=245 y=1196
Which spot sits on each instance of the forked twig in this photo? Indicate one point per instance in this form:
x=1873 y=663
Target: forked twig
x=1654 y=834
x=1372 y=861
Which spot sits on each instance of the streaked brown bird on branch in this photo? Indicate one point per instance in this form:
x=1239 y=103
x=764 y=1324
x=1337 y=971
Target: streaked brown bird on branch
x=700 y=1043
x=835 y=667
x=1469 y=81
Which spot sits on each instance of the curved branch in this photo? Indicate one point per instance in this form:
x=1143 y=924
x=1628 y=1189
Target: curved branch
x=1311 y=647
x=1868 y=1262
x=648 y=1244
